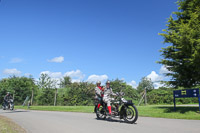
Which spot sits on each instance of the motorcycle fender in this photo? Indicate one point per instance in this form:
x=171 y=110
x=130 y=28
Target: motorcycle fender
x=128 y=104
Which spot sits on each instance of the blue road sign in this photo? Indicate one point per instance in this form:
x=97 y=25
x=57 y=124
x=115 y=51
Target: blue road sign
x=185 y=94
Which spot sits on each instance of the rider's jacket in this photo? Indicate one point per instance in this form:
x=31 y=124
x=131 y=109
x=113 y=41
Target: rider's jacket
x=98 y=92
x=108 y=92
x=8 y=97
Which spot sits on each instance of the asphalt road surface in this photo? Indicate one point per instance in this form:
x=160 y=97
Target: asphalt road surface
x=66 y=122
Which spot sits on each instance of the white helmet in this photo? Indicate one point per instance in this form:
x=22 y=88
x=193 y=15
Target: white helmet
x=108 y=82
x=98 y=82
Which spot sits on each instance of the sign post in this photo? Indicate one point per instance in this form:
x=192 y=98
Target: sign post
x=185 y=94
x=199 y=103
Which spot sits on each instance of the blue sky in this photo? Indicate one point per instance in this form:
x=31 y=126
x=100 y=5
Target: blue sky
x=84 y=39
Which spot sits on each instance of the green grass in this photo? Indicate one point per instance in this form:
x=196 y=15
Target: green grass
x=165 y=111
x=82 y=109
x=160 y=111
x=7 y=126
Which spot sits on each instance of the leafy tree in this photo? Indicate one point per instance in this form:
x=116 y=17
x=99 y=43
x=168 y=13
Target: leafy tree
x=66 y=82
x=46 y=85
x=19 y=87
x=145 y=83
x=117 y=85
x=160 y=96
x=182 y=55
x=130 y=93
x=45 y=82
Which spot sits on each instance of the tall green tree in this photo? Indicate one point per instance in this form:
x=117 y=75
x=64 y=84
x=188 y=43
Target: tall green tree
x=47 y=94
x=66 y=82
x=182 y=54
x=145 y=83
x=45 y=81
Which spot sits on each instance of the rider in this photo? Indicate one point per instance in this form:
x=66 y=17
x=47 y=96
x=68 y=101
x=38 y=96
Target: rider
x=107 y=93
x=7 y=98
x=99 y=93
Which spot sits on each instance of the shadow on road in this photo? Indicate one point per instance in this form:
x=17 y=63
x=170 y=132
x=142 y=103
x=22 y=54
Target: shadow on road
x=14 y=111
x=114 y=120
x=181 y=110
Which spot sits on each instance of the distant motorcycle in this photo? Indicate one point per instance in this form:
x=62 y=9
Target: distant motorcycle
x=121 y=108
x=9 y=105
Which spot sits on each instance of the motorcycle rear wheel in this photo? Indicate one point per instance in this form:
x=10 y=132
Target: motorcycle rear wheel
x=101 y=113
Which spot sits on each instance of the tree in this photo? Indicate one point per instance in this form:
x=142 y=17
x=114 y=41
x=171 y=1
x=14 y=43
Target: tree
x=145 y=83
x=66 y=82
x=46 y=85
x=130 y=93
x=20 y=87
x=182 y=55
x=117 y=85
x=45 y=82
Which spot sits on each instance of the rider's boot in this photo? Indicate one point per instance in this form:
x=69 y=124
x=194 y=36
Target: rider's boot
x=109 y=109
x=109 y=115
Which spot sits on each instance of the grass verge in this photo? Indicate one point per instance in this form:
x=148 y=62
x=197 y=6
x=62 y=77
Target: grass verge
x=159 y=111
x=8 y=126
x=82 y=109
x=166 y=111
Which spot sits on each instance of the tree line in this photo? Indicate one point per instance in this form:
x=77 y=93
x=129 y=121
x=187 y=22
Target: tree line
x=46 y=91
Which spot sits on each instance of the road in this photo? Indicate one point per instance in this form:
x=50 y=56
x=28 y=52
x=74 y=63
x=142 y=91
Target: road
x=67 y=122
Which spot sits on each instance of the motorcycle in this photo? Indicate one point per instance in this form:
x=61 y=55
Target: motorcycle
x=9 y=105
x=121 y=108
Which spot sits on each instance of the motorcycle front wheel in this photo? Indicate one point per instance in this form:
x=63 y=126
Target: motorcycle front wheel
x=131 y=114
x=11 y=107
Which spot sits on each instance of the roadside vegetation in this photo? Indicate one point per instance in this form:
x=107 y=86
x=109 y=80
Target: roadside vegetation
x=45 y=93
x=8 y=126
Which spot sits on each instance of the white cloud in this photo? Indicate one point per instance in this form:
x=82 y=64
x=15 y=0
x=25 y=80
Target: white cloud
x=57 y=59
x=76 y=80
x=155 y=77
x=12 y=72
x=27 y=74
x=75 y=74
x=95 y=78
x=164 y=70
x=157 y=85
x=53 y=74
x=123 y=79
x=16 y=60
x=133 y=84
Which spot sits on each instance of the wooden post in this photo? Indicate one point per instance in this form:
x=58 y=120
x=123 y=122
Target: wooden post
x=14 y=95
x=174 y=102
x=32 y=97
x=145 y=93
x=55 y=97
